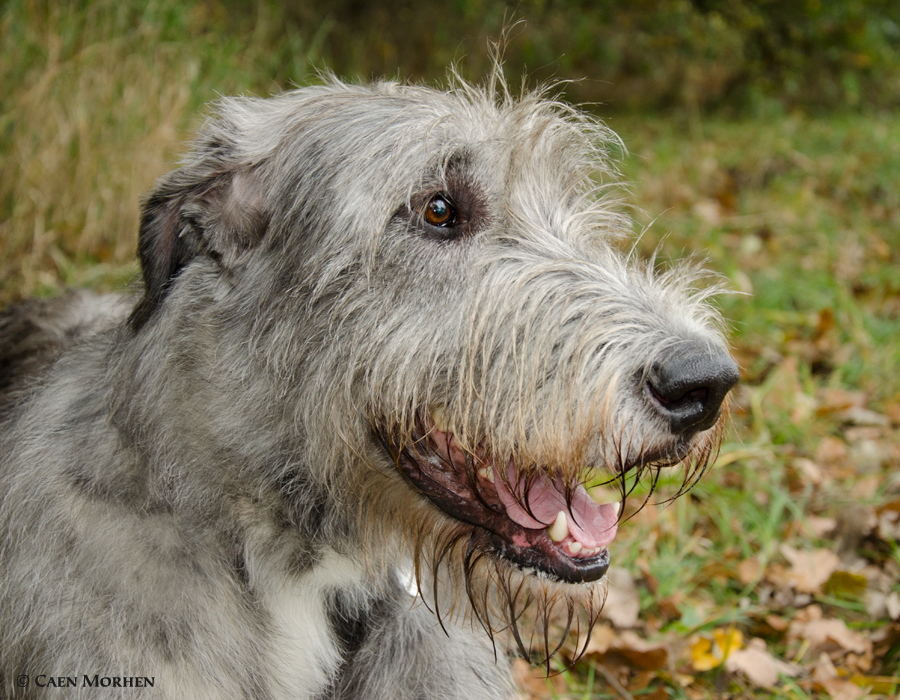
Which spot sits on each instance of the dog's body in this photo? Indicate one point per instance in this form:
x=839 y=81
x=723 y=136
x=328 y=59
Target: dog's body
x=383 y=330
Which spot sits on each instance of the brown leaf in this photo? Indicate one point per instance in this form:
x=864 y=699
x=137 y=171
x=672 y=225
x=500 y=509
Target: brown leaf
x=825 y=676
x=777 y=623
x=749 y=571
x=857 y=415
x=641 y=653
x=831 y=450
x=893 y=606
x=623 y=603
x=809 y=569
x=810 y=471
x=658 y=694
x=602 y=638
x=821 y=527
x=534 y=682
x=758 y=665
x=836 y=400
x=709 y=210
x=830 y=635
x=892 y=411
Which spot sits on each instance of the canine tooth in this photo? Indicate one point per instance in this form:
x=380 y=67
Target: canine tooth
x=574 y=547
x=559 y=529
x=486 y=473
x=617 y=506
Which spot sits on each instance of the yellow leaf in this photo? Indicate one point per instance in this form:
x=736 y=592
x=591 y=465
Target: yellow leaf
x=709 y=653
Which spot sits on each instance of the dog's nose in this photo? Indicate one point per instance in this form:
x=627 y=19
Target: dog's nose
x=689 y=383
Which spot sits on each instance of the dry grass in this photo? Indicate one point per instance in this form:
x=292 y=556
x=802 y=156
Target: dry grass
x=95 y=102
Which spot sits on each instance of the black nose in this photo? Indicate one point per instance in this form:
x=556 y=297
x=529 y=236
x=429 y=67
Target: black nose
x=689 y=383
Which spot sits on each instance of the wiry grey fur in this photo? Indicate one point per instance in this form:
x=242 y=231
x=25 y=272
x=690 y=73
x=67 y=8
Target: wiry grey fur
x=207 y=493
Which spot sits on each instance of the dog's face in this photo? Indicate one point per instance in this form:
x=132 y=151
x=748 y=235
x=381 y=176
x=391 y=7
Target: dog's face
x=474 y=345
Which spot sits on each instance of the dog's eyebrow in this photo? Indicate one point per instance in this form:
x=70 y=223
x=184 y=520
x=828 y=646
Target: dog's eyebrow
x=448 y=163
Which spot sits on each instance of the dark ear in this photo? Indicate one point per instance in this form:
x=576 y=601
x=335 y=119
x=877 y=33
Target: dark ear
x=220 y=216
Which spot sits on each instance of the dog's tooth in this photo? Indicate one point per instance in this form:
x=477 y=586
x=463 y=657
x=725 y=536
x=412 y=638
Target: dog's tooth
x=439 y=416
x=617 y=506
x=559 y=529
x=487 y=473
x=574 y=547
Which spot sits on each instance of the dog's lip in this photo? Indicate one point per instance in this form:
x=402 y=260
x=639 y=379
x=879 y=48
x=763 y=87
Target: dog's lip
x=479 y=497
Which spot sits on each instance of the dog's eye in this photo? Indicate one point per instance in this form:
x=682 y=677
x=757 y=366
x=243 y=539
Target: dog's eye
x=440 y=212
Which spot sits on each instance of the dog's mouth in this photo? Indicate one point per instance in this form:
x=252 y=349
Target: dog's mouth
x=540 y=524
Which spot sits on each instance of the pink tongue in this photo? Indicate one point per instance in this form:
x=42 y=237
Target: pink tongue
x=591 y=524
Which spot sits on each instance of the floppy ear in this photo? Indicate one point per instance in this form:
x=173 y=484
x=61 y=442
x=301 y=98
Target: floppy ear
x=219 y=215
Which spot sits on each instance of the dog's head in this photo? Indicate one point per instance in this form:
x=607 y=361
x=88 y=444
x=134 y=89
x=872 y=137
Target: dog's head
x=432 y=285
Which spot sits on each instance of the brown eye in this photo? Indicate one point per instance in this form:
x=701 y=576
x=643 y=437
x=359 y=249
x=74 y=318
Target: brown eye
x=439 y=212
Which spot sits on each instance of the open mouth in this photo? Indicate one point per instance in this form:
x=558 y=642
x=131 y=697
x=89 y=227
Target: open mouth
x=538 y=523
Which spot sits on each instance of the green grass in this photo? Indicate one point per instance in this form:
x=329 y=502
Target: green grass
x=800 y=215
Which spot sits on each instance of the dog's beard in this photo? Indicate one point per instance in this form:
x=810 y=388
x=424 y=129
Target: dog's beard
x=461 y=575
x=461 y=580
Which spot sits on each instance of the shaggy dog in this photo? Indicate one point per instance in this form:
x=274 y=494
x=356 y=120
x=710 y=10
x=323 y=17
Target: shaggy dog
x=341 y=441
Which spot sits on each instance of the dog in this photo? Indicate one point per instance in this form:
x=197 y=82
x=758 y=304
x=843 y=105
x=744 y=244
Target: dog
x=339 y=446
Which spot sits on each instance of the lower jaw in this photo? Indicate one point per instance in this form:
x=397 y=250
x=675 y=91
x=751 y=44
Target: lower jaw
x=551 y=564
x=537 y=556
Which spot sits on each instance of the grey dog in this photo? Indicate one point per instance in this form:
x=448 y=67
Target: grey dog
x=339 y=447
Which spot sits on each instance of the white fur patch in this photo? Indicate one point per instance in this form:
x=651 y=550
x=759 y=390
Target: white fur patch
x=306 y=654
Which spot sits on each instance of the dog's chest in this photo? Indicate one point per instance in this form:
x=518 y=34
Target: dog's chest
x=305 y=650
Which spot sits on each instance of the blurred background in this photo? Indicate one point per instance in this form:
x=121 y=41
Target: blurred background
x=761 y=136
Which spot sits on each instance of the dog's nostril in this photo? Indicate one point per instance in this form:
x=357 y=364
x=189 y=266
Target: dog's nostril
x=688 y=385
x=674 y=401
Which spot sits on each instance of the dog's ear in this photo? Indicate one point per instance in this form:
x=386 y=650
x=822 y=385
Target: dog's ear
x=218 y=215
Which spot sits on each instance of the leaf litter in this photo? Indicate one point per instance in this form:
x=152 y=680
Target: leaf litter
x=778 y=575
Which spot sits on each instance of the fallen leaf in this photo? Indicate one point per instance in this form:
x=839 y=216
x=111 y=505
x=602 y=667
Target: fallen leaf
x=623 y=602
x=876 y=605
x=641 y=653
x=831 y=450
x=709 y=210
x=534 y=682
x=830 y=635
x=825 y=677
x=749 y=571
x=809 y=569
x=821 y=527
x=811 y=471
x=602 y=638
x=708 y=653
x=893 y=605
x=759 y=666
x=835 y=400
x=893 y=412
x=877 y=685
x=846 y=584
x=857 y=415
x=777 y=623
x=889 y=525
